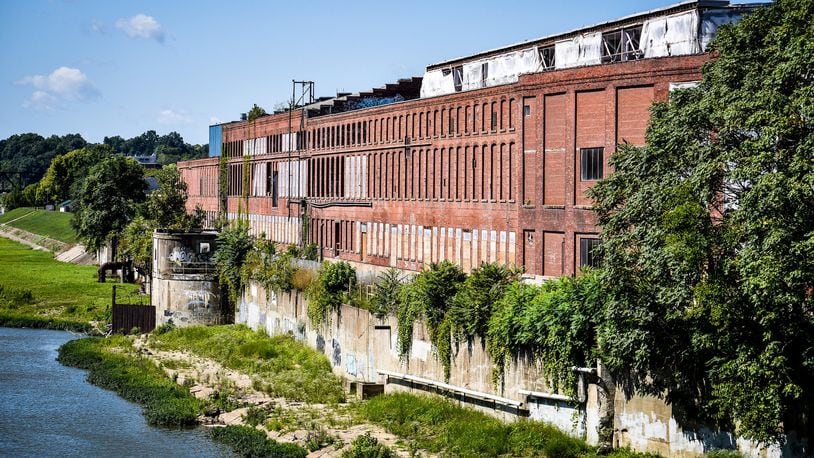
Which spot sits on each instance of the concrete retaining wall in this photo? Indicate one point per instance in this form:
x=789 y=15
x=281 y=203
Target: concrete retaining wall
x=360 y=346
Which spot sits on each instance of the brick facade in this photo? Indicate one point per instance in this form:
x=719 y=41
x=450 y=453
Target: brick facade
x=487 y=175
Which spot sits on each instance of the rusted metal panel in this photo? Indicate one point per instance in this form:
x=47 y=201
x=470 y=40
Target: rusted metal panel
x=129 y=316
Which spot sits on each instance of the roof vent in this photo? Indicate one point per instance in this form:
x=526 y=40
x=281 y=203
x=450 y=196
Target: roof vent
x=244 y=116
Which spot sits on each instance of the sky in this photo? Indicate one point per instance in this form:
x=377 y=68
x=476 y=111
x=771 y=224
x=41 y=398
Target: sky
x=105 y=68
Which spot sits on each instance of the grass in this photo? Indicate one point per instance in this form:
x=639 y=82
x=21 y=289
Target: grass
x=366 y=446
x=51 y=224
x=38 y=291
x=113 y=364
x=249 y=442
x=280 y=365
x=440 y=426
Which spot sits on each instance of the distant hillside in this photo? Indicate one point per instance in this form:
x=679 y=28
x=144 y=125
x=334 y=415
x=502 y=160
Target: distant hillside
x=51 y=224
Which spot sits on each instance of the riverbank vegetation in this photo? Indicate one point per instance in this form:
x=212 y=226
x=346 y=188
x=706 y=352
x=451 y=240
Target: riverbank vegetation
x=112 y=363
x=248 y=442
x=279 y=365
x=38 y=291
x=441 y=426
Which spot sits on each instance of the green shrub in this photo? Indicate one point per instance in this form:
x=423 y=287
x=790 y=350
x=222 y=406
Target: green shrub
x=249 y=442
x=234 y=244
x=367 y=446
x=385 y=300
x=430 y=296
x=256 y=415
x=330 y=290
x=476 y=299
x=557 y=322
x=310 y=252
x=164 y=328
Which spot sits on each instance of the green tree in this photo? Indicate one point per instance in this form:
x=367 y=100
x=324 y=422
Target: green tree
x=107 y=199
x=477 y=298
x=166 y=205
x=256 y=112
x=708 y=236
x=24 y=158
x=65 y=173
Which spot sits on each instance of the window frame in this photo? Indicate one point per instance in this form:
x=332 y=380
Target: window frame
x=592 y=163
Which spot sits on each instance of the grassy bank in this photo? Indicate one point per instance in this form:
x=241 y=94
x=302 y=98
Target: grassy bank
x=280 y=365
x=38 y=291
x=113 y=364
x=440 y=426
x=51 y=224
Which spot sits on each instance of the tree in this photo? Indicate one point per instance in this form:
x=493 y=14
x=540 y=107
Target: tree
x=66 y=172
x=708 y=236
x=256 y=112
x=25 y=157
x=166 y=205
x=107 y=199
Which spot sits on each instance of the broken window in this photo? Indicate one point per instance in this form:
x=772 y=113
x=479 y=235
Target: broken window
x=588 y=254
x=547 y=58
x=458 y=77
x=591 y=163
x=621 y=45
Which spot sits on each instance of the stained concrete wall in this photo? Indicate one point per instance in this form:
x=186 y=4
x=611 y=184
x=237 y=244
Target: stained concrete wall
x=185 y=286
x=358 y=345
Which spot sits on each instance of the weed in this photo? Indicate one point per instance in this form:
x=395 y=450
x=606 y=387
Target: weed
x=367 y=446
x=164 y=328
x=249 y=442
x=317 y=438
x=256 y=415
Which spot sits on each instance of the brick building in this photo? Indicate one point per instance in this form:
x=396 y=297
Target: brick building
x=487 y=158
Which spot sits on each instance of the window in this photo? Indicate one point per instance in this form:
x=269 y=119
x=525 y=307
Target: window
x=484 y=73
x=591 y=163
x=526 y=110
x=588 y=254
x=621 y=45
x=274 y=184
x=458 y=77
x=494 y=119
x=547 y=60
x=451 y=123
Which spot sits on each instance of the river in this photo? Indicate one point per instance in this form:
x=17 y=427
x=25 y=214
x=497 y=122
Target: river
x=47 y=409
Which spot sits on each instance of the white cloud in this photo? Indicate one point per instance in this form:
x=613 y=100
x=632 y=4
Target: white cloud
x=62 y=84
x=41 y=101
x=141 y=26
x=174 y=117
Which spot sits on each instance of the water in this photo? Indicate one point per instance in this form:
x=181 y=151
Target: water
x=47 y=409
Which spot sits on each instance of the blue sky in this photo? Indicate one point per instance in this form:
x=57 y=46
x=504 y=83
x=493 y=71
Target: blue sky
x=103 y=68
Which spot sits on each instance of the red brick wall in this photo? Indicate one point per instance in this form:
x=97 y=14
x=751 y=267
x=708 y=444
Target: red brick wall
x=474 y=177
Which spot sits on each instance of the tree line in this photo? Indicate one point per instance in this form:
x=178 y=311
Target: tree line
x=24 y=158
